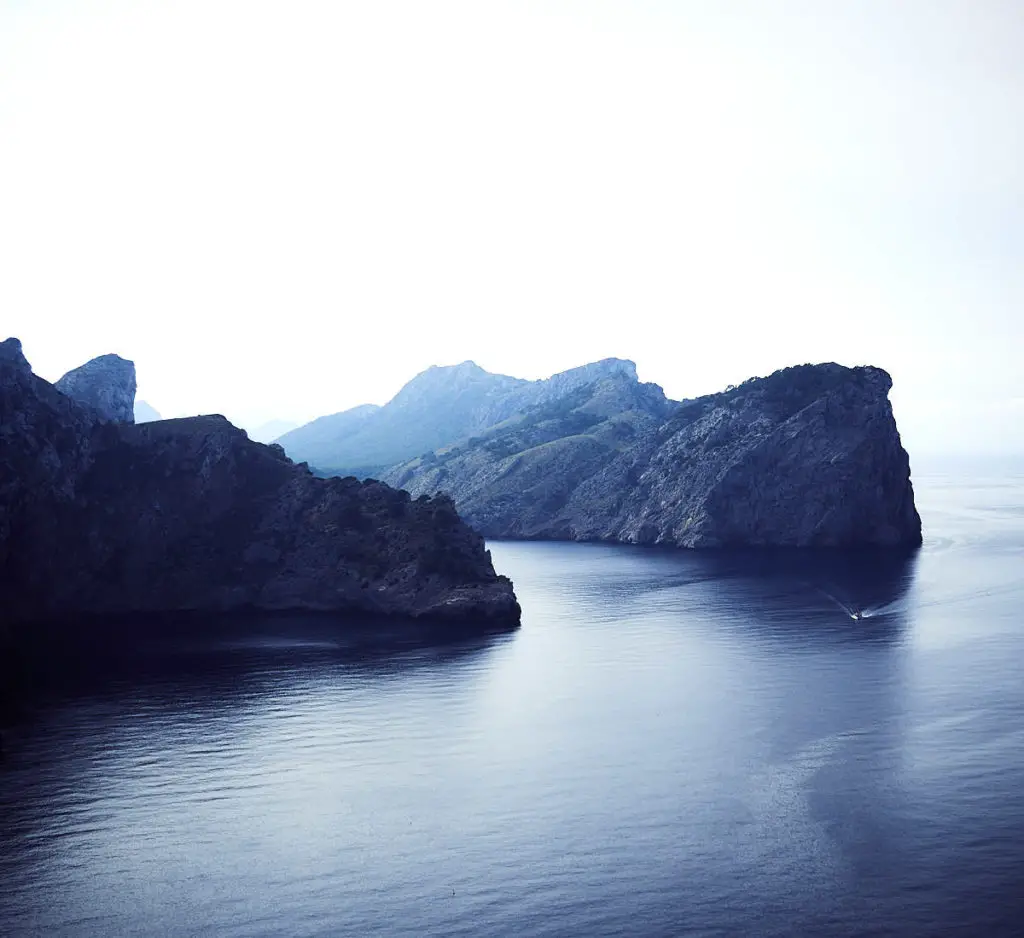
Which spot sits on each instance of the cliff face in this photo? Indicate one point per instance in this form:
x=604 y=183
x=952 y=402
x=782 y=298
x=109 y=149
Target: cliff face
x=809 y=456
x=106 y=385
x=102 y=517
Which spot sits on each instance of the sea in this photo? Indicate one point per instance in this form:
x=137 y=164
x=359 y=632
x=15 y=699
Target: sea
x=673 y=743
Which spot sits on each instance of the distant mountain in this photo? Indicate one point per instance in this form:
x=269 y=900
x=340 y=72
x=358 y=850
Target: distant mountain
x=271 y=430
x=437 y=408
x=144 y=413
x=322 y=441
x=809 y=456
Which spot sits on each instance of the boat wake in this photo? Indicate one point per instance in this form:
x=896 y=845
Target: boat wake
x=864 y=612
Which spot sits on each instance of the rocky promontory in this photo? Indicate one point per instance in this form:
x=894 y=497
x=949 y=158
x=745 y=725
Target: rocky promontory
x=106 y=517
x=808 y=456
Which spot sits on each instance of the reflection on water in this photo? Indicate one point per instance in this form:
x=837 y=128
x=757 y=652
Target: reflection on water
x=673 y=743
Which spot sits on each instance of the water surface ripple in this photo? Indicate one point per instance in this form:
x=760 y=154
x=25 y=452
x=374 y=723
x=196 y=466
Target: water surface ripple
x=673 y=744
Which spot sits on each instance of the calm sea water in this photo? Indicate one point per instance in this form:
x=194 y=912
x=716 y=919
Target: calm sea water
x=673 y=744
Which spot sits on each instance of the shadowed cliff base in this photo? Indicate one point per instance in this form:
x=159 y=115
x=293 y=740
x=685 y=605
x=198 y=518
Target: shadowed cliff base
x=93 y=655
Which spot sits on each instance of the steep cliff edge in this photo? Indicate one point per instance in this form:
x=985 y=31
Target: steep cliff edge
x=809 y=456
x=175 y=515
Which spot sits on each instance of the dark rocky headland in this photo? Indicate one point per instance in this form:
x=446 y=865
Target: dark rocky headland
x=102 y=516
x=809 y=456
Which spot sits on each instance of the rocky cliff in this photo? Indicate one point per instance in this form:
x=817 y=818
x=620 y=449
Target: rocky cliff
x=809 y=456
x=104 y=517
x=106 y=385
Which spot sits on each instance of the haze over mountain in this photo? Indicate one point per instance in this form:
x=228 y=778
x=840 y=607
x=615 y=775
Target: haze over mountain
x=439 y=406
x=145 y=413
x=271 y=430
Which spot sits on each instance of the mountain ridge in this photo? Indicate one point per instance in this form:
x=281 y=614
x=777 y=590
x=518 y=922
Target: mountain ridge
x=807 y=456
x=440 y=405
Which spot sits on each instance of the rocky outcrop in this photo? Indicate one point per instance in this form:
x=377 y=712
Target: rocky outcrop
x=189 y=514
x=105 y=385
x=809 y=456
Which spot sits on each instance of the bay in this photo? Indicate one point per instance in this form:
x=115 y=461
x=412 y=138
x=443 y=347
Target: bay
x=673 y=743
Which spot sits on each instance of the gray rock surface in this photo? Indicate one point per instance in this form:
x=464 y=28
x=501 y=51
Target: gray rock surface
x=189 y=514
x=106 y=385
x=809 y=456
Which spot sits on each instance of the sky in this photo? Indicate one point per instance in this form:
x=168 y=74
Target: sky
x=281 y=210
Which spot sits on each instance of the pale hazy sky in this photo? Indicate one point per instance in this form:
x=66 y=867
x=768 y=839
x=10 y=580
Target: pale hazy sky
x=285 y=209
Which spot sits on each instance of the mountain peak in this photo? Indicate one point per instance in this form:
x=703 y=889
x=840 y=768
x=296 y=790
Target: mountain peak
x=462 y=369
x=10 y=350
x=448 y=380
x=105 y=384
x=603 y=368
x=566 y=381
